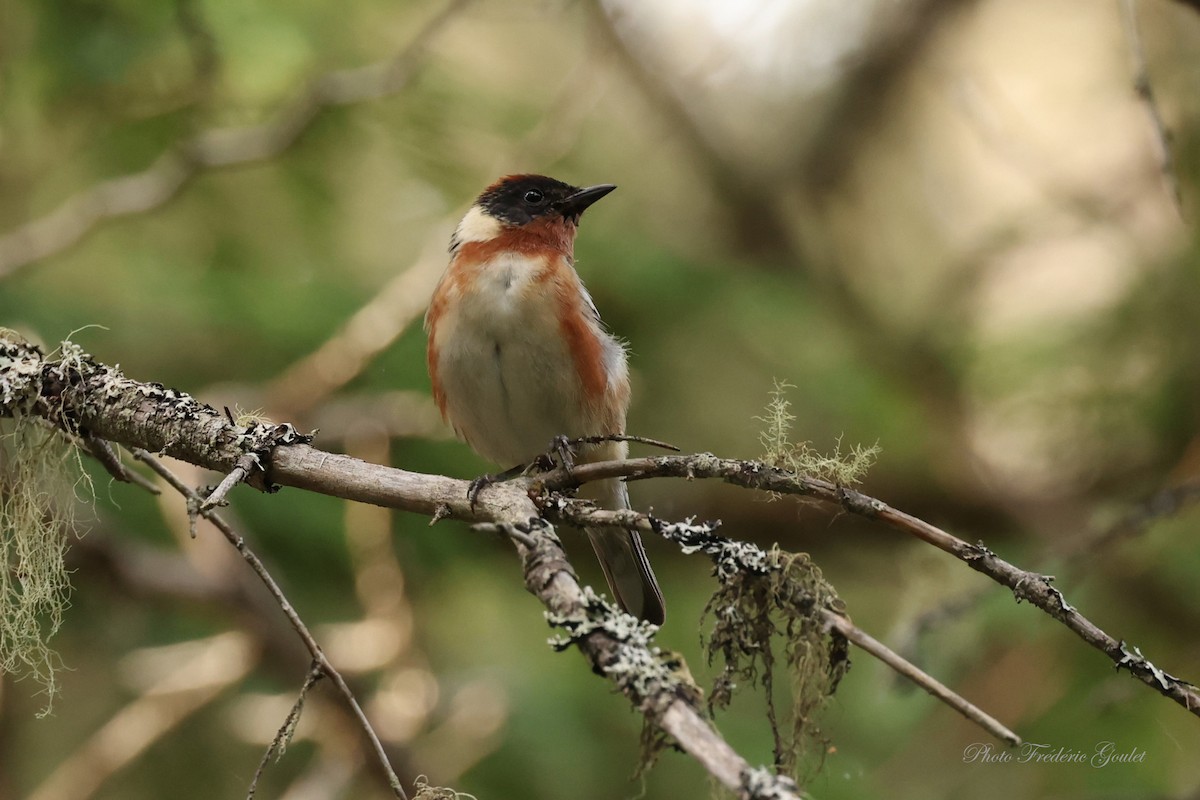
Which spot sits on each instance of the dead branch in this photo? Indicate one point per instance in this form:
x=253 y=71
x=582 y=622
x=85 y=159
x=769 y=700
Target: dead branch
x=246 y=464
x=283 y=736
x=79 y=394
x=923 y=679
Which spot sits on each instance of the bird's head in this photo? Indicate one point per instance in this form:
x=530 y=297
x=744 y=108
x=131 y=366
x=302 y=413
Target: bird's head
x=534 y=204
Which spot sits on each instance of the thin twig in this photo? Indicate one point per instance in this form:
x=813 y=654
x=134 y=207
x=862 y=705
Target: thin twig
x=619 y=437
x=283 y=736
x=508 y=531
x=103 y=452
x=246 y=464
x=151 y=188
x=297 y=623
x=921 y=678
x=1161 y=505
x=1075 y=552
x=1145 y=91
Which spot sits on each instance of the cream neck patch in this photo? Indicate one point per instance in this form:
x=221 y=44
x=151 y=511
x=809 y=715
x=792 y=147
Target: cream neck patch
x=476 y=226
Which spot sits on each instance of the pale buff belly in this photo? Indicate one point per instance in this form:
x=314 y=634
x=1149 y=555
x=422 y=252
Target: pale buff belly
x=506 y=370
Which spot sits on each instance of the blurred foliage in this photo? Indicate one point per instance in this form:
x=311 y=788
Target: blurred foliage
x=967 y=256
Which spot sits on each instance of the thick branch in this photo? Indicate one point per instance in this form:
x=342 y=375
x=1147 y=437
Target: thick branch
x=79 y=394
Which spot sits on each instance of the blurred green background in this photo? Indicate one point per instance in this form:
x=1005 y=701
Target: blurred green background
x=946 y=223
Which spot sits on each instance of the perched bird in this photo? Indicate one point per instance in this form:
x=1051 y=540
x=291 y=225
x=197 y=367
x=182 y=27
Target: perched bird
x=518 y=355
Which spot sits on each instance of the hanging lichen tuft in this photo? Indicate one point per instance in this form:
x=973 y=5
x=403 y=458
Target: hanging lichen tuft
x=39 y=470
x=781 y=605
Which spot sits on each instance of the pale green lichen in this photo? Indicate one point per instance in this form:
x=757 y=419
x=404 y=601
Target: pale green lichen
x=243 y=418
x=41 y=476
x=425 y=791
x=843 y=468
x=36 y=512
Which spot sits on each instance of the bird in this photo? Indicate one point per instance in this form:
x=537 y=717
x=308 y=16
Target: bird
x=519 y=358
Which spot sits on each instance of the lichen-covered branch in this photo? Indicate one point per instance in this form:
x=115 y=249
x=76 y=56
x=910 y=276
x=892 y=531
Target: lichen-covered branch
x=1031 y=587
x=80 y=394
x=732 y=557
x=618 y=647
x=83 y=396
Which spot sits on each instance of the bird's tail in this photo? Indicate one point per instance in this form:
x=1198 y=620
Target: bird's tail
x=623 y=558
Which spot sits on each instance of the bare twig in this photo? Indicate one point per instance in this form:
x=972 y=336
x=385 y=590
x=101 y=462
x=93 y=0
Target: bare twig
x=297 y=623
x=284 y=735
x=614 y=437
x=103 y=452
x=151 y=188
x=1145 y=91
x=1159 y=506
x=926 y=681
x=245 y=465
x=1073 y=552
x=105 y=456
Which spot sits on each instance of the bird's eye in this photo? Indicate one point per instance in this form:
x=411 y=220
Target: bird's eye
x=534 y=197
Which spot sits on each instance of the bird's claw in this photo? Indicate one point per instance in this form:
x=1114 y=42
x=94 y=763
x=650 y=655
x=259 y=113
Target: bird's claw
x=476 y=486
x=561 y=446
x=483 y=481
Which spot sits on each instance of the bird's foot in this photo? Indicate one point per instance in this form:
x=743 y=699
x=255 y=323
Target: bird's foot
x=564 y=449
x=560 y=452
x=483 y=481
